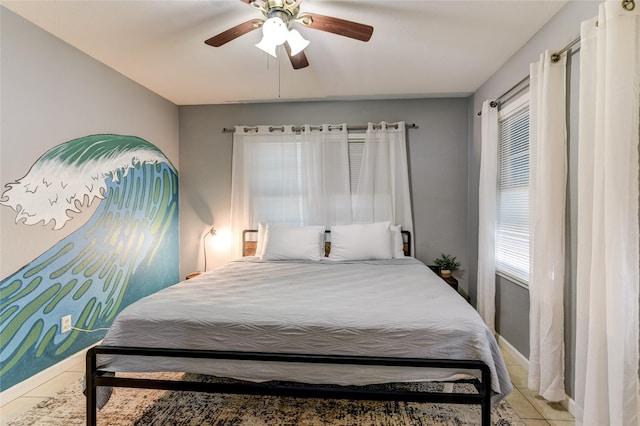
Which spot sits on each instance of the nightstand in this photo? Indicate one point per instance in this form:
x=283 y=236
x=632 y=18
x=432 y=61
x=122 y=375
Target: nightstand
x=193 y=275
x=449 y=280
x=452 y=282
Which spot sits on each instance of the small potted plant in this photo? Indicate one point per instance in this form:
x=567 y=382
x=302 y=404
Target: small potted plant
x=447 y=263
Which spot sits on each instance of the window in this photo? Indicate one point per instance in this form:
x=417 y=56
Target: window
x=280 y=182
x=281 y=179
x=512 y=228
x=294 y=178
x=356 y=151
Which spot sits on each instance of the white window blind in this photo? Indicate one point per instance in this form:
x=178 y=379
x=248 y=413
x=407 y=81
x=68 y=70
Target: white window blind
x=512 y=228
x=356 y=151
x=279 y=184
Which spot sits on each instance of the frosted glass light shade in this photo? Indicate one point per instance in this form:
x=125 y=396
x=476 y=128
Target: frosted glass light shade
x=274 y=33
x=266 y=46
x=297 y=43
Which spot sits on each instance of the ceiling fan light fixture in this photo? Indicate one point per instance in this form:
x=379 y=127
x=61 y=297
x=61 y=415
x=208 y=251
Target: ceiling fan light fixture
x=274 y=33
x=297 y=43
x=268 y=47
x=279 y=15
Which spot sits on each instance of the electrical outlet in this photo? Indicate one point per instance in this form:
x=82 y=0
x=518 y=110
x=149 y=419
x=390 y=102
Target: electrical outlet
x=65 y=324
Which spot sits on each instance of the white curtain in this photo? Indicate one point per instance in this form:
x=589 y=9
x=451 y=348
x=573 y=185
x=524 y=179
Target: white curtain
x=383 y=187
x=280 y=176
x=547 y=195
x=487 y=194
x=606 y=384
x=328 y=185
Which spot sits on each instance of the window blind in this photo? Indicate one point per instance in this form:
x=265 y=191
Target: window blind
x=356 y=151
x=279 y=182
x=512 y=228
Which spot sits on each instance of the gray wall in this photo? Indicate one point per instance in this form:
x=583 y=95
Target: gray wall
x=53 y=93
x=437 y=154
x=512 y=318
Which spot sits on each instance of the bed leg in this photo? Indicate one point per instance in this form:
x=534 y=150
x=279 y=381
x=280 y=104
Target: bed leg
x=91 y=388
x=486 y=397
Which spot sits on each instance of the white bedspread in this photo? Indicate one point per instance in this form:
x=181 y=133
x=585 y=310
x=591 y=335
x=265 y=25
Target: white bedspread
x=397 y=308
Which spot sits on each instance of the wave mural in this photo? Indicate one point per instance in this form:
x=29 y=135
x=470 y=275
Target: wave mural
x=126 y=250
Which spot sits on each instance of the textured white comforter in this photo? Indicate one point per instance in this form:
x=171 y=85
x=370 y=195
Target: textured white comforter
x=397 y=308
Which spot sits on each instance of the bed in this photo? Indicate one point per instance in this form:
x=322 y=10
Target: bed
x=333 y=324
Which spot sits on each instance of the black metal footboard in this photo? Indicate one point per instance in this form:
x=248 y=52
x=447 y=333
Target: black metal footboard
x=95 y=379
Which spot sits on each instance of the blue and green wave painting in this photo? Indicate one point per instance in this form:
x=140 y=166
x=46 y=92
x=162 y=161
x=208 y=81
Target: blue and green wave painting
x=126 y=250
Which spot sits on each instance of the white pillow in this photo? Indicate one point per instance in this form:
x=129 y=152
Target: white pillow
x=260 y=246
x=298 y=242
x=361 y=241
x=396 y=241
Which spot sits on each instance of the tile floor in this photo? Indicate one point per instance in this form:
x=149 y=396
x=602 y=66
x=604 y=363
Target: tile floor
x=22 y=404
x=533 y=410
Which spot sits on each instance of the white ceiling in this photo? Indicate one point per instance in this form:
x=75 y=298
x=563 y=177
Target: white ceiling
x=418 y=49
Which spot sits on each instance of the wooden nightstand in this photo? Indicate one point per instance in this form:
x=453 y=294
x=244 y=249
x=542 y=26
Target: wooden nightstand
x=449 y=280
x=193 y=275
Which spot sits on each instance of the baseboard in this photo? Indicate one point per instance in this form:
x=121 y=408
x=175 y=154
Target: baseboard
x=523 y=361
x=42 y=377
x=570 y=405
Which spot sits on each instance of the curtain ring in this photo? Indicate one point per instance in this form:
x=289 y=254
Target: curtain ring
x=628 y=5
x=492 y=104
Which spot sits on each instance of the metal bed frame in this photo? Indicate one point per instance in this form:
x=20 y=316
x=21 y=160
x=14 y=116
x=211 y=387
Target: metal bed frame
x=95 y=377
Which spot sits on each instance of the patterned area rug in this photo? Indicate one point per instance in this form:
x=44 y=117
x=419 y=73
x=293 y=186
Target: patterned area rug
x=155 y=408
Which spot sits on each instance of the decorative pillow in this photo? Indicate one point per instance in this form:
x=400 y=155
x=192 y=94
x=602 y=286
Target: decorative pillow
x=396 y=242
x=361 y=241
x=298 y=242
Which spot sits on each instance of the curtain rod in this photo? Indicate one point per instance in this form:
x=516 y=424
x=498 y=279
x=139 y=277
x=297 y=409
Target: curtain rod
x=555 y=57
x=298 y=129
x=627 y=5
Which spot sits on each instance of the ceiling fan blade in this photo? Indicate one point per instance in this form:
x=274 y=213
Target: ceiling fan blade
x=298 y=61
x=337 y=26
x=233 y=33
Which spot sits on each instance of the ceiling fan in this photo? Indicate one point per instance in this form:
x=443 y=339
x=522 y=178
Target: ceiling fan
x=279 y=16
